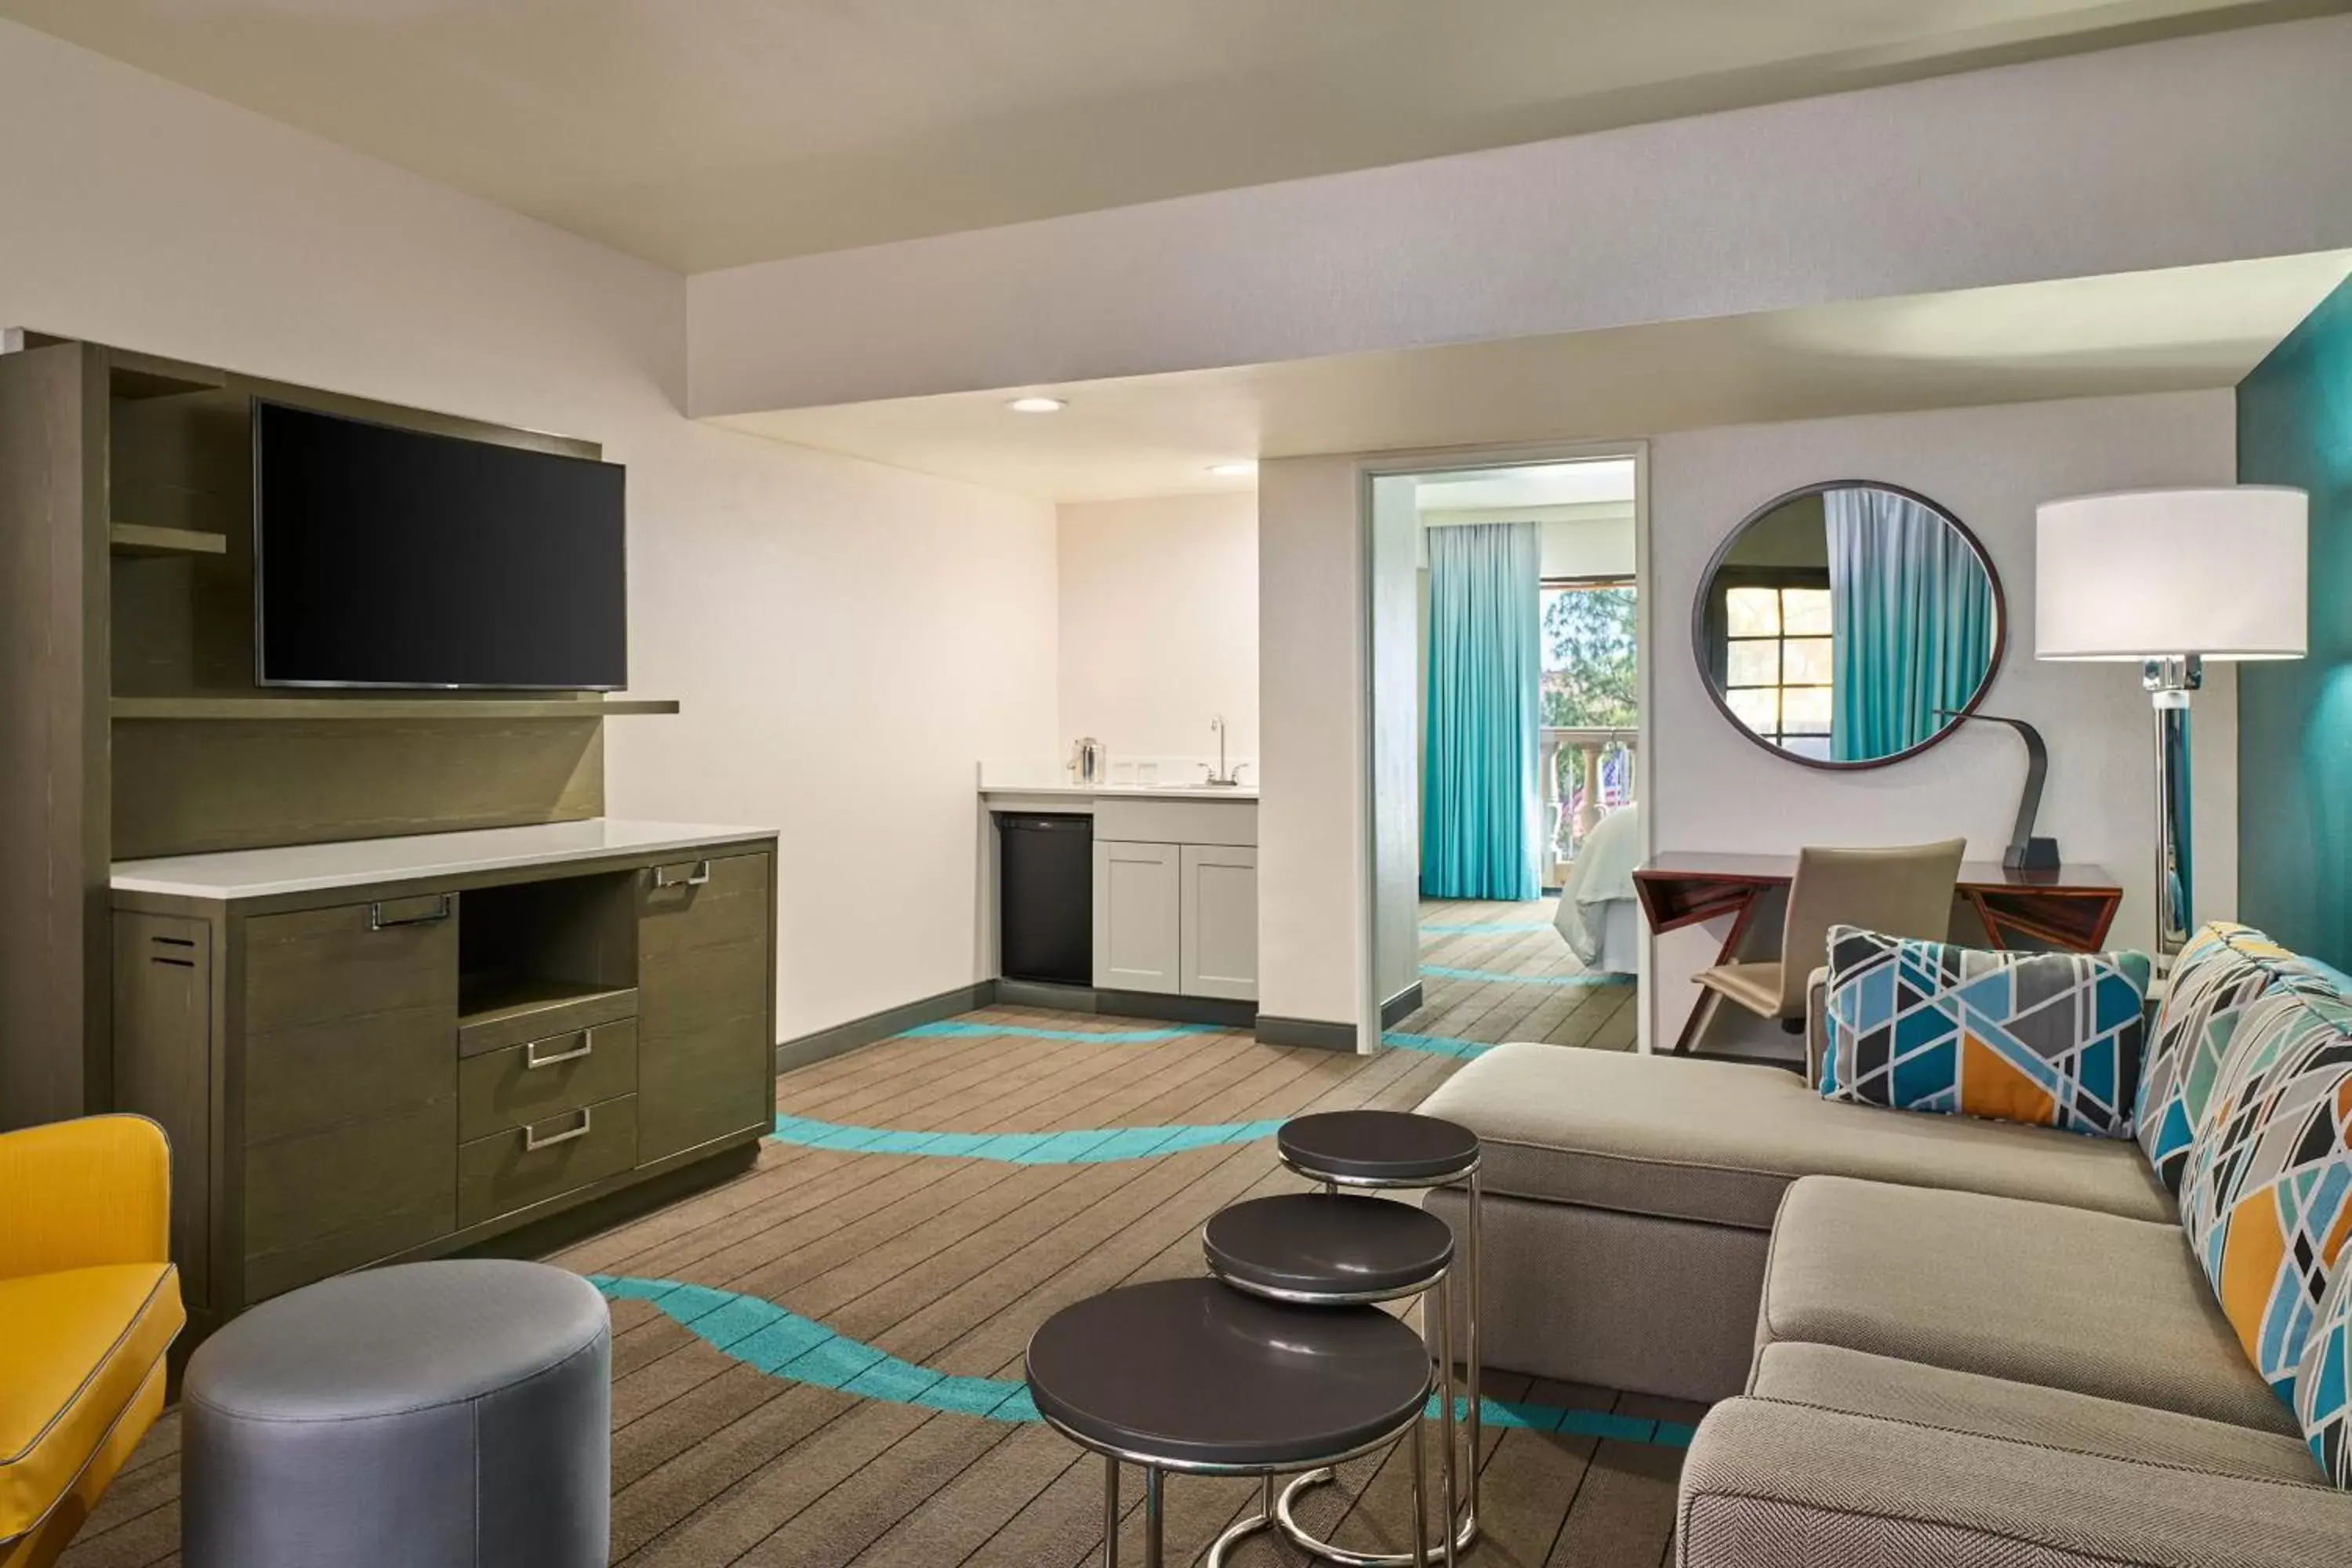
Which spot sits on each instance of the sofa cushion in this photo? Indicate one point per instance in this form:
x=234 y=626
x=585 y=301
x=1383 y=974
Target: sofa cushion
x=2224 y=969
x=1770 y=1485
x=76 y=1347
x=1720 y=1142
x=1831 y=1377
x=2030 y=1292
x=2050 y=1039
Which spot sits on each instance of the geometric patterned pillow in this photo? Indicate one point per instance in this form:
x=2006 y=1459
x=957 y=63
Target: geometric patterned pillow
x=2050 y=1039
x=2224 y=969
x=2323 y=1389
x=2266 y=1190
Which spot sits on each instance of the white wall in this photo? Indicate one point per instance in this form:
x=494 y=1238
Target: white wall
x=2172 y=154
x=830 y=689
x=1593 y=547
x=1311 y=825
x=1710 y=789
x=1159 y=628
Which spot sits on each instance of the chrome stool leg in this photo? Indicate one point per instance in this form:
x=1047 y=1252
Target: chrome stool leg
x=1249 y=1524
x=1110 y=1512
x=1155 y=1524
x=1478 y=1267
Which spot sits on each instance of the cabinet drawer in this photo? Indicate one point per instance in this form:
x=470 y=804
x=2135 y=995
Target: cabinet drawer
x=545 y=1159
x=506 y=1089
x=320 y=1203
x=318 y=966
x=684 y=906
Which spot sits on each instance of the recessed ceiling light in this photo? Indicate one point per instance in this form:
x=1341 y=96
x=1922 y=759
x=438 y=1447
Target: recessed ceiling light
x=1238 y=470
x=1037 y=405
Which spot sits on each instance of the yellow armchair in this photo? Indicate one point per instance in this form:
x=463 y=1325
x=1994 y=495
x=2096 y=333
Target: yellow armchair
x=88 y=1304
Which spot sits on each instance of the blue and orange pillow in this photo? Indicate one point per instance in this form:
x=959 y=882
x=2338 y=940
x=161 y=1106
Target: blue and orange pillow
x=2050 y=1039
x=2225 y=969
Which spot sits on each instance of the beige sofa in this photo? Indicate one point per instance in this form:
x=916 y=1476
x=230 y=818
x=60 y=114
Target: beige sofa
x=1935 y=1340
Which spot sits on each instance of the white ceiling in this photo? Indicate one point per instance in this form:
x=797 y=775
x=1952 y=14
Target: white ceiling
x=2147 y=331
x=704 y=133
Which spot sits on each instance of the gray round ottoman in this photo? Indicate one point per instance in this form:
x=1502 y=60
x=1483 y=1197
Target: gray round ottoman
x=451 y=1414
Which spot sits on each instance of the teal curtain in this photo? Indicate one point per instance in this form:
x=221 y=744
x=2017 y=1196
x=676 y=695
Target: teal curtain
x=1911 y=611
x=1478 y=799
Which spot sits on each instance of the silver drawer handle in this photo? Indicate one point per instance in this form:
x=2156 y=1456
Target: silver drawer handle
x=531 y=1141
x=531 y=1058
x=440 y=912
x=694 y=877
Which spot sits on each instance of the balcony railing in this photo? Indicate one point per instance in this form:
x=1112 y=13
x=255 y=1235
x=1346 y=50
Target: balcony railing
x=1589 y=751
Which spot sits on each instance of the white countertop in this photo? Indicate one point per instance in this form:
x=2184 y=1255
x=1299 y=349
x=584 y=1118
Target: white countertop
x=1125 y=792
x=309 y=868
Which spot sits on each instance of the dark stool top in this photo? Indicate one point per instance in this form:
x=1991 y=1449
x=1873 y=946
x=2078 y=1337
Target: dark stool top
x=1377 y=1145
x=1191 y=1372
x=1314 y=1244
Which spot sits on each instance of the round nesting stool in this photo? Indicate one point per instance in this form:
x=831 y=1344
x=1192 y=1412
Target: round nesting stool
x=1190 y=1376
x=1376 y=1151
x=453 y=1415
x=1328 y=1249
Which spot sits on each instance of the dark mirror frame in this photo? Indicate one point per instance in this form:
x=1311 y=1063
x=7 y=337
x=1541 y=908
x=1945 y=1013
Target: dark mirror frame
x=1715 y=564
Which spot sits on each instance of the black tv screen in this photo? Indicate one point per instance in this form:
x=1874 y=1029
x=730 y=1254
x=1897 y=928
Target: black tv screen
x=390 y=557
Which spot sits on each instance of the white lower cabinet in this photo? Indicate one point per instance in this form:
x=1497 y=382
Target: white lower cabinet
x=1217 y=913
x=1177 y=918
x=1138 y=901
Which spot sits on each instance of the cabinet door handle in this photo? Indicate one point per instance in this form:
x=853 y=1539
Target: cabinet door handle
x=531 y=1058
x=531 y=1141
x=697 y=874
x=440 y=912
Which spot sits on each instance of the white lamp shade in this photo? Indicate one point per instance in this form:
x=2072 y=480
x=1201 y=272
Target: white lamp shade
x=2146 y=574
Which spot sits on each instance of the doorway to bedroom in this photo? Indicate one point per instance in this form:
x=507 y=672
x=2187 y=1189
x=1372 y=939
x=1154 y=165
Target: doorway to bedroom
x=1506 y=629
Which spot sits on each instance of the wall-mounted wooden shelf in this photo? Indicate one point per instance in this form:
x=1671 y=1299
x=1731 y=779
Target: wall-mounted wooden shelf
x=501 y=708
x=137 y=376
x=139 y=539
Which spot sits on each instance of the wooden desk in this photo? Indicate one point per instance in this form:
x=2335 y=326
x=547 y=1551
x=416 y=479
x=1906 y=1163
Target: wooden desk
x=2069 y=908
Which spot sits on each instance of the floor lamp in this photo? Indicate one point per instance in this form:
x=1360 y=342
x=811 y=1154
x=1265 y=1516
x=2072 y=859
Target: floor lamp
x=2169 y=579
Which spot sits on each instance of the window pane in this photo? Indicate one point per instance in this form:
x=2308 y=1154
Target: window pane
x=1756 y=662
x=1752 y=612
x=1814 y=746
x=1805 y=709
x=1805 y=661
x=1807 y=611
x=1758 y=708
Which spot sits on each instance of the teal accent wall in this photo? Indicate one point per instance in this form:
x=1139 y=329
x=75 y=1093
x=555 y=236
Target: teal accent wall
x=2294 y=720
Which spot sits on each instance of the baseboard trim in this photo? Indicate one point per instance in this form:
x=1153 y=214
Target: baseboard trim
x=1313 y=1033
x=842 y=1039
x=1402 y=1005
x=1223 y=1011
x=1043 y=993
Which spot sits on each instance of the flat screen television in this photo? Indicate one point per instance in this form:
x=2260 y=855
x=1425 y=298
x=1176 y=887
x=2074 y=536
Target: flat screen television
x=388 y=557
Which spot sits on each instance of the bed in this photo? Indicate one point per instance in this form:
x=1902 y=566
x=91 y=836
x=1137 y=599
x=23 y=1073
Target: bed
x=1600 y=916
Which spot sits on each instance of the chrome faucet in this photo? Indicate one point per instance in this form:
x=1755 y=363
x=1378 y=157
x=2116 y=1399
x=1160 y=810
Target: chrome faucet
x=1224 y=777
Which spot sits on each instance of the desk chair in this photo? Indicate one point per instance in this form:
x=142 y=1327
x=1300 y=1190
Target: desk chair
x=1905 y=891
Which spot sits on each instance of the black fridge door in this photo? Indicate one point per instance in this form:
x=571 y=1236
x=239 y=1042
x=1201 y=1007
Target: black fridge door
x=1045 y=898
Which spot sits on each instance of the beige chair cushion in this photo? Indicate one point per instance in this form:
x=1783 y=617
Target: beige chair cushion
x=1830 y=1377
x=1720 y=1142
x=1755 y=986
x=2030 y=1292
x=1770 y=1485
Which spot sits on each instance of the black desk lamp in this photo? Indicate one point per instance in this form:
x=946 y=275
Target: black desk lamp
x=2025 y=852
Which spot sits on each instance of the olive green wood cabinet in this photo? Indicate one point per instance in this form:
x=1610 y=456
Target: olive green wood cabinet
x=399 y=1068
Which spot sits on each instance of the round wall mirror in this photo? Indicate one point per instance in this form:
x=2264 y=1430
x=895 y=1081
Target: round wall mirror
x=1849 y=625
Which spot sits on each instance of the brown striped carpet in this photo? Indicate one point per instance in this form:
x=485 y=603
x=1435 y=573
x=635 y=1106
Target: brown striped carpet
x=950 y=1263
